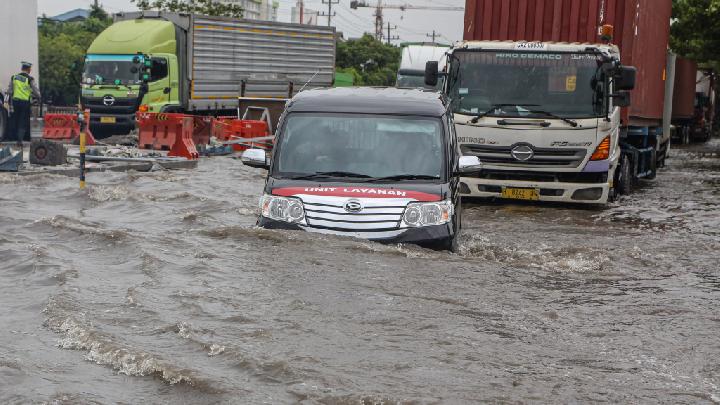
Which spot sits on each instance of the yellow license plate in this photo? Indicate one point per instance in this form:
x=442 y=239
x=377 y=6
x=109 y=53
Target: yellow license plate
x=107 y=120
x=521 y=193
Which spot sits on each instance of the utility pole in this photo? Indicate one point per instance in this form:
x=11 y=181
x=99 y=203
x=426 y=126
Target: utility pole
x=379 y=21
x=389 y=37
x=433 y=35
x=330 y=14
x=302 y=10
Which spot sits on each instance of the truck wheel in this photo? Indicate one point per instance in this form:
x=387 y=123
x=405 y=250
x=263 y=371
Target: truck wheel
x=624 y=181
x=3 y=123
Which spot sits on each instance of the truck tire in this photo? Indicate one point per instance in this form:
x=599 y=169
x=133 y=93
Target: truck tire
x=624 y=181
x=3 y=123
x=47 y=153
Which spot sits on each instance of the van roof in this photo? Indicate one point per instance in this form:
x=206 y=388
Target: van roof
x=370 y=100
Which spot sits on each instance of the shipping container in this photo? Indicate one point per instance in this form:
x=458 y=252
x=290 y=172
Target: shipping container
x=642 y=32
x=686 y=72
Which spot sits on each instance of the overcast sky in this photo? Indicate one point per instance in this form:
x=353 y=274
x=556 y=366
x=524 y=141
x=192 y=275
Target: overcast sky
x=412 y=25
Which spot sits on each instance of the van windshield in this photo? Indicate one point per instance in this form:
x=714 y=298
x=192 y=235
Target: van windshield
x=416 y=81
x=361 y=146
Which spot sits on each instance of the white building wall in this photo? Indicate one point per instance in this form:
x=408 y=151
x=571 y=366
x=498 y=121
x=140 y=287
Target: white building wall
x=18 y=38
x=256 y=9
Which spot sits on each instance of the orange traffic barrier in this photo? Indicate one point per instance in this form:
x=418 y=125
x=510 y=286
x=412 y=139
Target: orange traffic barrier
x=158 y=131
x=64 y=128
x=184 y=145
x=231 y=128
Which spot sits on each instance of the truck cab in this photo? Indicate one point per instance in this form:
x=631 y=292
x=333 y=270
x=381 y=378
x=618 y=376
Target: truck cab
x=113 y=86
x=544 y=118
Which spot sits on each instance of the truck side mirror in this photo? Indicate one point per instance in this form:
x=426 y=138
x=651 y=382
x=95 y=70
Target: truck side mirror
x=621 y=99
x=625 y=78
x=146 y=72
x=255 y=158
x=431 y=73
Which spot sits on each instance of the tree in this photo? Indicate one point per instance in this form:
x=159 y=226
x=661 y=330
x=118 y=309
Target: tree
x=205 y=7
x=372 y=62
x=695 y=30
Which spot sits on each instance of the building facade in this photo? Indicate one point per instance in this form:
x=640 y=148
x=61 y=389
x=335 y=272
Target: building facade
x=257 y=9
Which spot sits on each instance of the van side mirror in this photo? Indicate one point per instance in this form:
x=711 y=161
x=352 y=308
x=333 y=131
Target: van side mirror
x=255 y=158
x=621 y=99
x=431 y=73
x=469 y=164
x=625 y=78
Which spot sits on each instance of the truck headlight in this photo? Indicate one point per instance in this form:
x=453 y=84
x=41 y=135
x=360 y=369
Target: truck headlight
x=425 y=214
x=282 y=208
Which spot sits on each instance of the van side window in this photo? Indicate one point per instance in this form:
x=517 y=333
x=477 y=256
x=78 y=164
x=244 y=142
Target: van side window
x=159 y=69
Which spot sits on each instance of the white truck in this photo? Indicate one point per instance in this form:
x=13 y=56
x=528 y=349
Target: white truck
x=18 y=42
x=544 y=118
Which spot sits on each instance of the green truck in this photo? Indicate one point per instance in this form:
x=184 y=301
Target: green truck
x=193 y=64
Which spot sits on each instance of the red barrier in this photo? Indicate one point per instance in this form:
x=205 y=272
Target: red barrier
x=159 y=131
x=230 y=128
x=64 y=128
x=184 y=145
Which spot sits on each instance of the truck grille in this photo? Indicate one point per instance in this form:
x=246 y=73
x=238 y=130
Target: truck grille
x=120 y=106
x=543 y=157
x=376 y=216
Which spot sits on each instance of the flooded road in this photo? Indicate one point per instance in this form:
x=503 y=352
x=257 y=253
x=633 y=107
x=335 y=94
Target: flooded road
x=157 y=288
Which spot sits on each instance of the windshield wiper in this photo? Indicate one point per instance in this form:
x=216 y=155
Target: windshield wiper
x=572 y=122
x=496 y=106
x=330 y=174
x=407 y=177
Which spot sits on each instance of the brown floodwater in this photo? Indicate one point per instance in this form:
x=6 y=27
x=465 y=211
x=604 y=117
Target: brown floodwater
x=158 y=288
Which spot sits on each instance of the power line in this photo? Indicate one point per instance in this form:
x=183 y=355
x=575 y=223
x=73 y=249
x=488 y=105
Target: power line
x=330 y=14
x=433 y=35
x=389 y=37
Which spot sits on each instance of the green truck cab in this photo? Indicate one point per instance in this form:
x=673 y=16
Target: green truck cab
x=113 y=86
x=169 y=62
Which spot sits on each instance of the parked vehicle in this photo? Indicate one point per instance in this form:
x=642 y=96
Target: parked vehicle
x=551 y=118
x=683 y=110
x=168 y=62
x=381 y=164
x=19 y=42
x=412 y=64
x=693 y=113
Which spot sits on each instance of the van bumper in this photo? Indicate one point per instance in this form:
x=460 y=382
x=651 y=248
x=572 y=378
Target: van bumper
x=428 y=236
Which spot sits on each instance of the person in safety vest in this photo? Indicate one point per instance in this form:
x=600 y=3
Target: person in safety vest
x=21 y=92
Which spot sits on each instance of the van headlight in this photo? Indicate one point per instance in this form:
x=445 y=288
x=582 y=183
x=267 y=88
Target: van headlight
x=285 y=209
x=426 y=214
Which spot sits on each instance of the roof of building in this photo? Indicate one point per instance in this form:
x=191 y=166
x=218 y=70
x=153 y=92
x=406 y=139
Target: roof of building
x=370 y=100
x=72 y=15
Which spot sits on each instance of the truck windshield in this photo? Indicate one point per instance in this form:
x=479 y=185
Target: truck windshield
x=361 y=147
x=111 y=70
x=516 y=82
